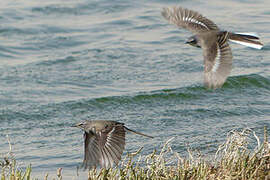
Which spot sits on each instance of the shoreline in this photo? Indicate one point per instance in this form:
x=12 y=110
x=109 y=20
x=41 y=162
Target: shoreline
x=233 y=160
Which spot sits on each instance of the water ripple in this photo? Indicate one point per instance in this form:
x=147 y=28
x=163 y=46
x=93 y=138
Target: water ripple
x=67 y=61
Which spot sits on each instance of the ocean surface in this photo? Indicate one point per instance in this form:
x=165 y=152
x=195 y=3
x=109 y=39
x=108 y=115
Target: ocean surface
x=65 y=61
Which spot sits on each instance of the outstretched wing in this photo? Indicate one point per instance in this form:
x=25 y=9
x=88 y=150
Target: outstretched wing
x=112 y=144
x=217 y=62
x=188 y=19
x=104 y=148
x=91 y=151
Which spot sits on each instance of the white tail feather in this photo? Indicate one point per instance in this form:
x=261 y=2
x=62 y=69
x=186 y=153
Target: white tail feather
x=252 y=45
x=248 y=33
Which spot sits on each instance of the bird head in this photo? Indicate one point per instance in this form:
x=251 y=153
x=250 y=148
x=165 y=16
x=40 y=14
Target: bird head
x=87 y=126
x=81 y=125
x=193 y=41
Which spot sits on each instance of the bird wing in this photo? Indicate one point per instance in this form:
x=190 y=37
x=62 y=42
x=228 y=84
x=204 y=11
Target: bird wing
x=91 y=151
x=104 y=148
x=188 y=19
x=217 y=61
x=111 y=142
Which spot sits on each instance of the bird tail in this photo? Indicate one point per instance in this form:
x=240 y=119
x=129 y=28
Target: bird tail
x=247 y=39
x=130 y=130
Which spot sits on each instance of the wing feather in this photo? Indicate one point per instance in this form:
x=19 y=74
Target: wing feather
x=111 y=144
x=112 y=152
x=106 y=160
x=115 y=146
x=218 y=62
x=188 y=19
x=91 y=151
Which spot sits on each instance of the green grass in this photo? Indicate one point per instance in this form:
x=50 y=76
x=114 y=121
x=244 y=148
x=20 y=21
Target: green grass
x=233 y=160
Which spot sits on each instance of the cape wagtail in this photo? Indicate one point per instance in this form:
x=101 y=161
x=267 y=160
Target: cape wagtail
x=104 y=142
x=214 y=42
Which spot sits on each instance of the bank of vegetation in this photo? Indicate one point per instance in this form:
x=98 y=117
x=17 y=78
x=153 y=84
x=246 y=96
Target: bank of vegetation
x=233 y=160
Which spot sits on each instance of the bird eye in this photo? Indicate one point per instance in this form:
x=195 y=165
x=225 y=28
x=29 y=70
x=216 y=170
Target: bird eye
x=81 y=124
x=192 y=40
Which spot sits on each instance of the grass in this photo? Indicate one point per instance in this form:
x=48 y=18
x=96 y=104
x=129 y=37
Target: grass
x=233 y=160
x=9 y=168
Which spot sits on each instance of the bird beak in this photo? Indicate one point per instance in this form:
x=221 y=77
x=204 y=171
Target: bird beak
x=74 y=125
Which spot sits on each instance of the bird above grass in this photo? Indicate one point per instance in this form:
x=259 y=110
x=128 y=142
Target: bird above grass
x=104 y=142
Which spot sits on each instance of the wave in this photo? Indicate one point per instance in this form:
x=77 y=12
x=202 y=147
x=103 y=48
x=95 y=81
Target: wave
x=247 y=81
x=244 y=84
x=195 y=99
x=93 y=7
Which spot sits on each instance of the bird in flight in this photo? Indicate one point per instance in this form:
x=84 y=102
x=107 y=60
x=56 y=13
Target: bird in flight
x=213 y=41
x=104 y=142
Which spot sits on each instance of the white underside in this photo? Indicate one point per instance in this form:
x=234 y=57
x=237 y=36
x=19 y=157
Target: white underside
x=217 y=61
x=252 y=45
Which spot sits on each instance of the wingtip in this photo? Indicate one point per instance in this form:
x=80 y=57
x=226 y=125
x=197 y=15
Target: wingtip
x=164 y=12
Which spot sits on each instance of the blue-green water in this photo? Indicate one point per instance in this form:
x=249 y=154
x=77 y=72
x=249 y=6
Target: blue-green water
x=66 y=61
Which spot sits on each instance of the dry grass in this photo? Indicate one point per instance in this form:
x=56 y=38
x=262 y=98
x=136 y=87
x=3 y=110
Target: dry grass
x=233 y=160
x=9 y=168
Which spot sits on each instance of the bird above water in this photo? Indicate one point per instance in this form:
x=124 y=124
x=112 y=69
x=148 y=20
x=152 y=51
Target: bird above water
x=214 y=43
x=104 y=142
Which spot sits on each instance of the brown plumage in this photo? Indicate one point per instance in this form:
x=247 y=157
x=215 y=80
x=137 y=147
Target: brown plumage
x=216 y=50
x=104 y=142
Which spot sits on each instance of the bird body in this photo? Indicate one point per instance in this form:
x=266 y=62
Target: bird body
x=214 y=43
x=104 y=142
x=97 y=125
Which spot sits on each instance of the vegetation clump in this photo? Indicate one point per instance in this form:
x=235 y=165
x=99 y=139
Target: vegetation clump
x=8 y=167
x=233 y=160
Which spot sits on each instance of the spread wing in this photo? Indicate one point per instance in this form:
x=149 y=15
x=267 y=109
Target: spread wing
x=188 y=19
x=104 y=148
x=91 y=151
x=217 y=62
x=112 y=144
